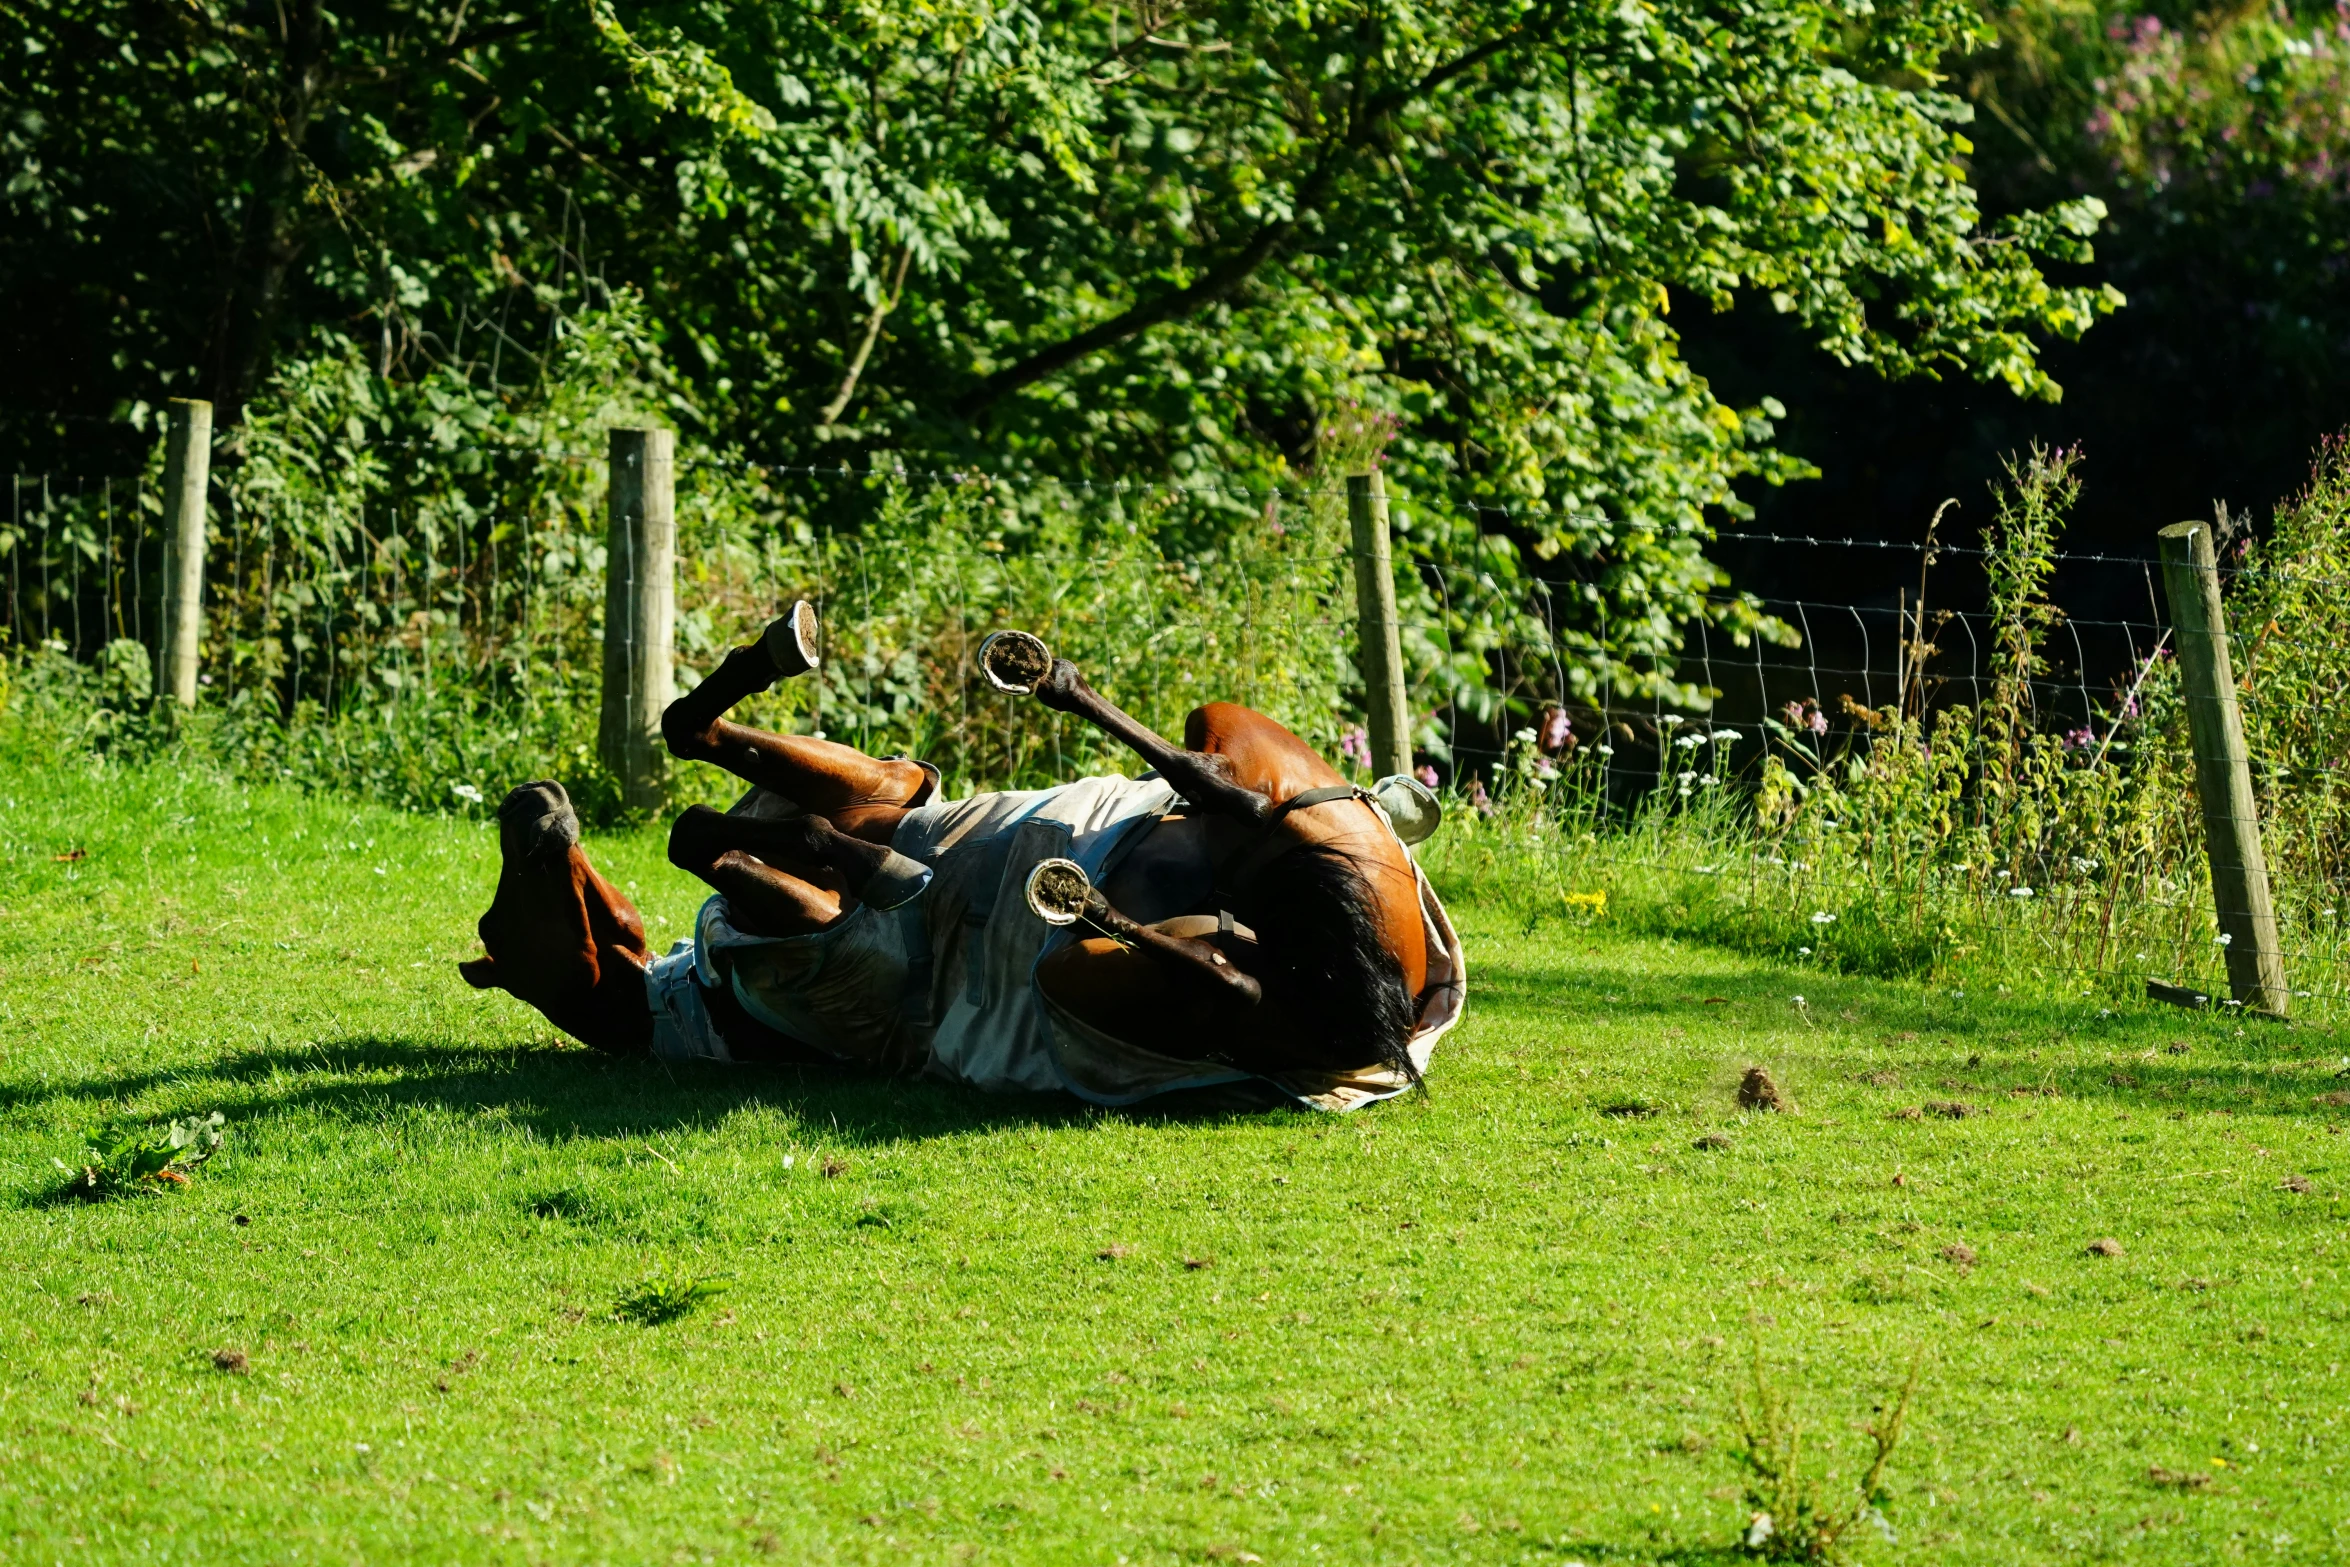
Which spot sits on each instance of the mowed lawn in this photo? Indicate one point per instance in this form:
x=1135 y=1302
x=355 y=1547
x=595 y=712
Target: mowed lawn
x=1496 y=1324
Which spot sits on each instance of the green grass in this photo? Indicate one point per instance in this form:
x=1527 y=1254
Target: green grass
x=1494 y=1325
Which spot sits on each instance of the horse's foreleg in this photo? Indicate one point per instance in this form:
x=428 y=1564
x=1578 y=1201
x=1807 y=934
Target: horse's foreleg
x=1205 y=779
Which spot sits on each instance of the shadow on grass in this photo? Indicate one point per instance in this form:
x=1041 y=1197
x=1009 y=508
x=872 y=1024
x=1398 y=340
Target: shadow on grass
x=560 y=1093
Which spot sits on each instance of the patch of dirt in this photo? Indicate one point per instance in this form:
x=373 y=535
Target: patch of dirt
x=1881 y=1079
x=2182 y=1479
x=1114 y=1253
x=835 y=1167
x=1949 y=1109
x=2105 y=1246
x=2177 y=1047
x=1756 y=1091
x=2296 y=1183
x=1960 y=1254
x=1907 y=1113
x=2336 y=1099
x=232 y=1361
x=1630 y=1109
x=1197 y=1263
x=2121 y=1080
x=1710 y=1141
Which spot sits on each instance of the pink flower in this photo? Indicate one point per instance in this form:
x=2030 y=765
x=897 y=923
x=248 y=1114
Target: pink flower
x=1355 y=746
x=1426 y=775
x=1479 y=798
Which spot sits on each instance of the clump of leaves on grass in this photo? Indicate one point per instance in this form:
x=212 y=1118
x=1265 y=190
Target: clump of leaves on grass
x=662 y=1296
x=120 y=1158
x=1795 y=1518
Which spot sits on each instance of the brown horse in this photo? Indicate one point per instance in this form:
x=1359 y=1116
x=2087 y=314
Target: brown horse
x=1258 y=918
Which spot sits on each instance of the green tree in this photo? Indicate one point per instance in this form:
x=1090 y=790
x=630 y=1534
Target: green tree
x=1137 y=237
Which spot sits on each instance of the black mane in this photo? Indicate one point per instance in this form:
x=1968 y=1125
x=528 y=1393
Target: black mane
x=1318 y=929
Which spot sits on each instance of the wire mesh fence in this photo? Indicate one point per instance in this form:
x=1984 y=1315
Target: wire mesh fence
x=1917 y=786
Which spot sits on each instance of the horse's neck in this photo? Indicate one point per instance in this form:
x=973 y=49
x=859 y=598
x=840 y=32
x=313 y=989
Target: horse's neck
x=1171 y=871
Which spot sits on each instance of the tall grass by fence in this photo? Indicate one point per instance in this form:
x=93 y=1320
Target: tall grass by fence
x=1970 y=793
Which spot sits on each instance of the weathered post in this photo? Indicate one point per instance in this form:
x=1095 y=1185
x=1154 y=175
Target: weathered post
x=2223 y=771
x=639 y=610
x=187 y=469
x=1379 y=644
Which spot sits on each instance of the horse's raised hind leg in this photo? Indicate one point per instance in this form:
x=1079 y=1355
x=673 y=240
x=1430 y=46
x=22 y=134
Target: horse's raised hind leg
x=808 y=848
x=863 y=796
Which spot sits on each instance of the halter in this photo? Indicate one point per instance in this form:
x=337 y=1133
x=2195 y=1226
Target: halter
x=1250 y=857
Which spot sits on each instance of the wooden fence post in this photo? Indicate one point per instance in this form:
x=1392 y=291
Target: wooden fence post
x=1379 y=644
x=2223 y=772
x=639 y=611
x=187 y=469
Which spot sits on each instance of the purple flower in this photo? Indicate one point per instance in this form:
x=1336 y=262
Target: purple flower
x=1819 y=722
x=1355 y=746
x=2080 y=739
x=1426 y=775
x=1479 y=798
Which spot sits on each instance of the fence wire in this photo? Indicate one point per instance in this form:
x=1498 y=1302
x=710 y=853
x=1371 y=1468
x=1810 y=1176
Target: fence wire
x=383 y=607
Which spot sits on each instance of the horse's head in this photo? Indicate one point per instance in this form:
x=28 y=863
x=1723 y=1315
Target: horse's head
x=1333 y=895
x=558 y=935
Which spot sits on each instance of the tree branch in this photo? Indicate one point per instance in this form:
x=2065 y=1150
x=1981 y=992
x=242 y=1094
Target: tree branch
x=1226 y=275
x=881 y=309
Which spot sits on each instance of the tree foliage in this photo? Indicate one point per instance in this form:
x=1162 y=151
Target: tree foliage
x=1062 y=236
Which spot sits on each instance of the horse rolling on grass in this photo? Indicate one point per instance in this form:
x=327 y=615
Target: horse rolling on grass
x=1258 y=928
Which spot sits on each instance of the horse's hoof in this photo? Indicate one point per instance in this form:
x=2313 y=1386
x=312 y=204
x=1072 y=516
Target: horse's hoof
x=793 y=640
x=1014 y=661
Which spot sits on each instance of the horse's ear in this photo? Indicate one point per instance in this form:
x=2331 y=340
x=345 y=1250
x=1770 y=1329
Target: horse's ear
x=480 y=973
